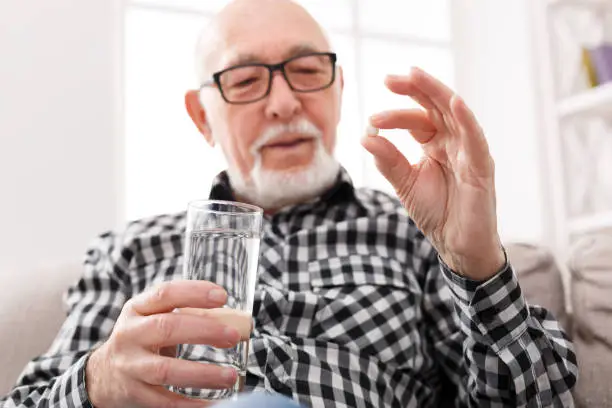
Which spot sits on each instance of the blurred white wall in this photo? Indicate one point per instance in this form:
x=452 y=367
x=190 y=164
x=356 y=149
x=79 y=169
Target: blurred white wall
x=496 y=75
x=61 y=162
x=59 y=125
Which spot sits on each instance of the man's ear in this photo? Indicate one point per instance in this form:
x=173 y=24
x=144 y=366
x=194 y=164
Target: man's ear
x=198 y=115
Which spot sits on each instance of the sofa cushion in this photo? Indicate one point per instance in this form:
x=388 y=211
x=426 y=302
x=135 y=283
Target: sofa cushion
x=590 y=266
x=540 y=278
x=31 y=314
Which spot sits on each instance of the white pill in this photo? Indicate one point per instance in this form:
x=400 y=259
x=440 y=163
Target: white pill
x=372 y=131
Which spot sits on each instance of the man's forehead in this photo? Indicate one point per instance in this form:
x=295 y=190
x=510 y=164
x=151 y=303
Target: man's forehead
x=261 y=31
x=243 y=55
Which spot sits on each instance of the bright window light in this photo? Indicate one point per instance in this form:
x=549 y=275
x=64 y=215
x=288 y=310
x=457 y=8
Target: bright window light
x=168 y=162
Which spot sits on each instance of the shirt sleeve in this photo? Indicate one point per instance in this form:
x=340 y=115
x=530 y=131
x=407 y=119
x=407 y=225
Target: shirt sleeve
x=496 y=349
x=57 y=378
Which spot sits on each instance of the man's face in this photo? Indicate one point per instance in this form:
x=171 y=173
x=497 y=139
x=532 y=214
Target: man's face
x=270 y=35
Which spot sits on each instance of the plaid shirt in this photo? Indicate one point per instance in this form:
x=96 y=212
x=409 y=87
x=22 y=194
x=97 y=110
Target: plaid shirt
x=353 y=309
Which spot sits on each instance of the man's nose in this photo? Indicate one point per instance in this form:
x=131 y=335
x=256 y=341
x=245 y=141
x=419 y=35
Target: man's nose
x=282 y=103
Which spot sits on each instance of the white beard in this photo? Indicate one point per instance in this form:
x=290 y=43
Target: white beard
x=275 y=189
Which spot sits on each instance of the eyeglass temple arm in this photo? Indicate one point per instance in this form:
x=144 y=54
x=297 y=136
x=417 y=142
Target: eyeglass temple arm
x=210 y=82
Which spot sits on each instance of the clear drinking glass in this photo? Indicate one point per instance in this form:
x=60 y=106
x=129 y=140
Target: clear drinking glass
x=222 y=246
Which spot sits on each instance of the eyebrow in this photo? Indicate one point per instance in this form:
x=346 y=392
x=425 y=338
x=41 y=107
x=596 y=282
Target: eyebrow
x=294 y=51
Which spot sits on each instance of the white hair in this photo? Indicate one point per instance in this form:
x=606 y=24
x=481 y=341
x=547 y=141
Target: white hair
x=274 y=189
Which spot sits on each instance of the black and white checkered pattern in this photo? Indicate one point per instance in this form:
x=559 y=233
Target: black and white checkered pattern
x=352 y=309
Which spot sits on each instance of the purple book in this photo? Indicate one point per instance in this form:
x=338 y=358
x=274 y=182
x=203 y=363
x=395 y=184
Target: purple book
x=601 y=58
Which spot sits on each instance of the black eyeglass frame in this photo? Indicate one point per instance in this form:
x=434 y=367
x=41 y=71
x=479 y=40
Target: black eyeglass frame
x=216 y=77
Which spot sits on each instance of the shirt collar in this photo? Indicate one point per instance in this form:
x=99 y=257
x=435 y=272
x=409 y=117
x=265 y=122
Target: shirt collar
x=342 y=191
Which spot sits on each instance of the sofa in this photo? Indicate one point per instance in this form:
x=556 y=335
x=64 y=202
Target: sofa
x=31 y=309
x=578 y=291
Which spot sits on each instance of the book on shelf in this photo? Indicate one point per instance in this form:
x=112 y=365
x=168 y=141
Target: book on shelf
x=600 y=59
x=588 y=66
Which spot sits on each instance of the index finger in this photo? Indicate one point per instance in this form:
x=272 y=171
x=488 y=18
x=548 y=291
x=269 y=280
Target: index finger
x=179 y=294
x=438 y=93
x=410 y=119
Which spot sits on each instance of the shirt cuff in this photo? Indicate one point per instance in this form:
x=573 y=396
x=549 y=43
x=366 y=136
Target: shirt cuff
x=68 y=390
x=493 y=312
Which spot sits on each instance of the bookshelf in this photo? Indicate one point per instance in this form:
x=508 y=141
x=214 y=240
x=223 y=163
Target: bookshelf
x=603 y=4
x=588 y=223
x=573 y=153
x=595 y=101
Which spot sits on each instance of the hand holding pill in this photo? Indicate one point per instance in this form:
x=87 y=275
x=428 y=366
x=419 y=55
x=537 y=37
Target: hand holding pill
x=450 y=193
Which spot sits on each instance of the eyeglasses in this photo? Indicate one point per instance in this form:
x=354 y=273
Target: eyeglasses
x=249 y=83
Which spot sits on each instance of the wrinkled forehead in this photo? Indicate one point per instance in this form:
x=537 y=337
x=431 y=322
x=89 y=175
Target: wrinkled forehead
x=268 y=38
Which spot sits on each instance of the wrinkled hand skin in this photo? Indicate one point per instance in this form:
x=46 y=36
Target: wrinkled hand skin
x=450 y=192
x=138 y=361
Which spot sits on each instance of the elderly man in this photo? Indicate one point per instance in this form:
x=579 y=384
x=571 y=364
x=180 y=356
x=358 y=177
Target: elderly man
x=363 y=300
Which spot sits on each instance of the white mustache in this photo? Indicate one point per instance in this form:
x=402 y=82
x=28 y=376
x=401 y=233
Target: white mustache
x=302 y=127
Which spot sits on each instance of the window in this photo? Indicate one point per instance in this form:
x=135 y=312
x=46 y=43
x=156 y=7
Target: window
x=168 y=163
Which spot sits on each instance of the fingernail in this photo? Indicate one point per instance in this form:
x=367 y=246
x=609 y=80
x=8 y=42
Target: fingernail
x=231 y=335
x=228 y=374
x=217 y=295
x=378 y=116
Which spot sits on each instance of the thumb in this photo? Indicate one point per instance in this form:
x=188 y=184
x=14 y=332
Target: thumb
x=389 y=160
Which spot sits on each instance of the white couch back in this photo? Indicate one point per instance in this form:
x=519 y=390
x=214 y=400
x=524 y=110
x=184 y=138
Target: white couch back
x=31 y=313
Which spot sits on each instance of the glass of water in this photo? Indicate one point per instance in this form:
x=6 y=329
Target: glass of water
x=222 y=246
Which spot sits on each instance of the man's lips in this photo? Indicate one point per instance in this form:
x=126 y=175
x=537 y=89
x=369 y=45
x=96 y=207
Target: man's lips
x=288 y=143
